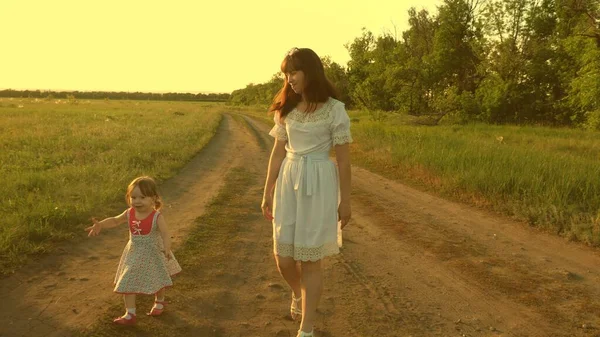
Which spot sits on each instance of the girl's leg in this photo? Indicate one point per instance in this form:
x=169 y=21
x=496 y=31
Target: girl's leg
x=312 y=287
x=129 y=317
x=290 y=270
x=129 y=304
x=159 y=297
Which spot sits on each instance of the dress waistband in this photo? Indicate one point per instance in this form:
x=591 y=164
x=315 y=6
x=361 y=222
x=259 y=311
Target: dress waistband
x=311 y=156
x=306 y=165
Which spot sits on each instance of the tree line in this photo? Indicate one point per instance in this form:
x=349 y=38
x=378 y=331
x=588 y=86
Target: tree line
x=174 y=96
x=492 y=61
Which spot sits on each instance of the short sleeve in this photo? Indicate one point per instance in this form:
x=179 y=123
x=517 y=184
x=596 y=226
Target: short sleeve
x=340 y=125
x=278 y=131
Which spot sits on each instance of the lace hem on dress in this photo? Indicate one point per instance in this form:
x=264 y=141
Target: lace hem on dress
x=306 y=253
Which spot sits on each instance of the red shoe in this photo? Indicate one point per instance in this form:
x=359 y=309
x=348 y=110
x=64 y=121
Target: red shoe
x=124 y=321
x=155 y=311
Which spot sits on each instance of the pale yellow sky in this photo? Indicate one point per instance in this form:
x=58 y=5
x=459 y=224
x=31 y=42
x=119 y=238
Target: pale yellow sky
x=177 y=45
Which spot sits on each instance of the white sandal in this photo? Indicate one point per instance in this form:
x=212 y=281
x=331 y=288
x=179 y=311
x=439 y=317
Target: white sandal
x=305 y=334
x=296 y=307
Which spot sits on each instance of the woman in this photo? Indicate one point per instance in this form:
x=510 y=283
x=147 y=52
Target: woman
x=302 y=195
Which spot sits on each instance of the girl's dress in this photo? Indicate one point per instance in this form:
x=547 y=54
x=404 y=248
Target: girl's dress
x=143 y=268
x=306 y=199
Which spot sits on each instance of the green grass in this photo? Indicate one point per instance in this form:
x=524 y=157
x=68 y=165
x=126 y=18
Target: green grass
x=62 y=161
x=227 y=212
x=547 y=177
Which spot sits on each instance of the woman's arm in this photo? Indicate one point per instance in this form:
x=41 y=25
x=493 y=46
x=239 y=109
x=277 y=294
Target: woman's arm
x=106 y=223
x=277 y=155
x=342 y=155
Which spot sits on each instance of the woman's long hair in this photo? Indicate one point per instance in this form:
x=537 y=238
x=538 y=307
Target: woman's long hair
x=317 y=87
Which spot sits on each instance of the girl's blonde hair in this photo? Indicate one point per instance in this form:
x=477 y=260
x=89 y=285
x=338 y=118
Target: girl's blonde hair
x=148 y=188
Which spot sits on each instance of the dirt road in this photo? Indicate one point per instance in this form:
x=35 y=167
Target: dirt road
x=412 y=265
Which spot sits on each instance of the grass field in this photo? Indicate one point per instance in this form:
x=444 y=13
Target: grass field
x=63 y=161
x=547 y=177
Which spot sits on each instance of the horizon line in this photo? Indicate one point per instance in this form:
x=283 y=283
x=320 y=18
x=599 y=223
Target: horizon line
x=127 y=91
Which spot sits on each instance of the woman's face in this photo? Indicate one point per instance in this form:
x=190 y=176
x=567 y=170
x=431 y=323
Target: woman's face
x=296 y=80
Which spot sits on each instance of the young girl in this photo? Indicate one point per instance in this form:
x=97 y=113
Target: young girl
x=301 y=190
x=147 y=263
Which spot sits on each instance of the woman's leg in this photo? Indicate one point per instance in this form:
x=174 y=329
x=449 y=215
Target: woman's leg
x=290 y=270
x=312 y=287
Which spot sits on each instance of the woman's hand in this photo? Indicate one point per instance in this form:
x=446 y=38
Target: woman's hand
x=95 y=229
x=267 y=206
x=344 y=213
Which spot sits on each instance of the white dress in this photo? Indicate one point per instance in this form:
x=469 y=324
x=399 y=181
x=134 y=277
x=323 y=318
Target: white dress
x=305 y=204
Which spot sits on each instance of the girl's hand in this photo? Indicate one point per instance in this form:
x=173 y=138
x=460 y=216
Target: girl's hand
x=95 y=229
x=167 y=254
x=267 y=206
x=344 y=213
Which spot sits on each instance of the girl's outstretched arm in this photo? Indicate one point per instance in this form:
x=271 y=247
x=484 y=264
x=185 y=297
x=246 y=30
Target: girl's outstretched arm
x=106 y=223
x=164 y=233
